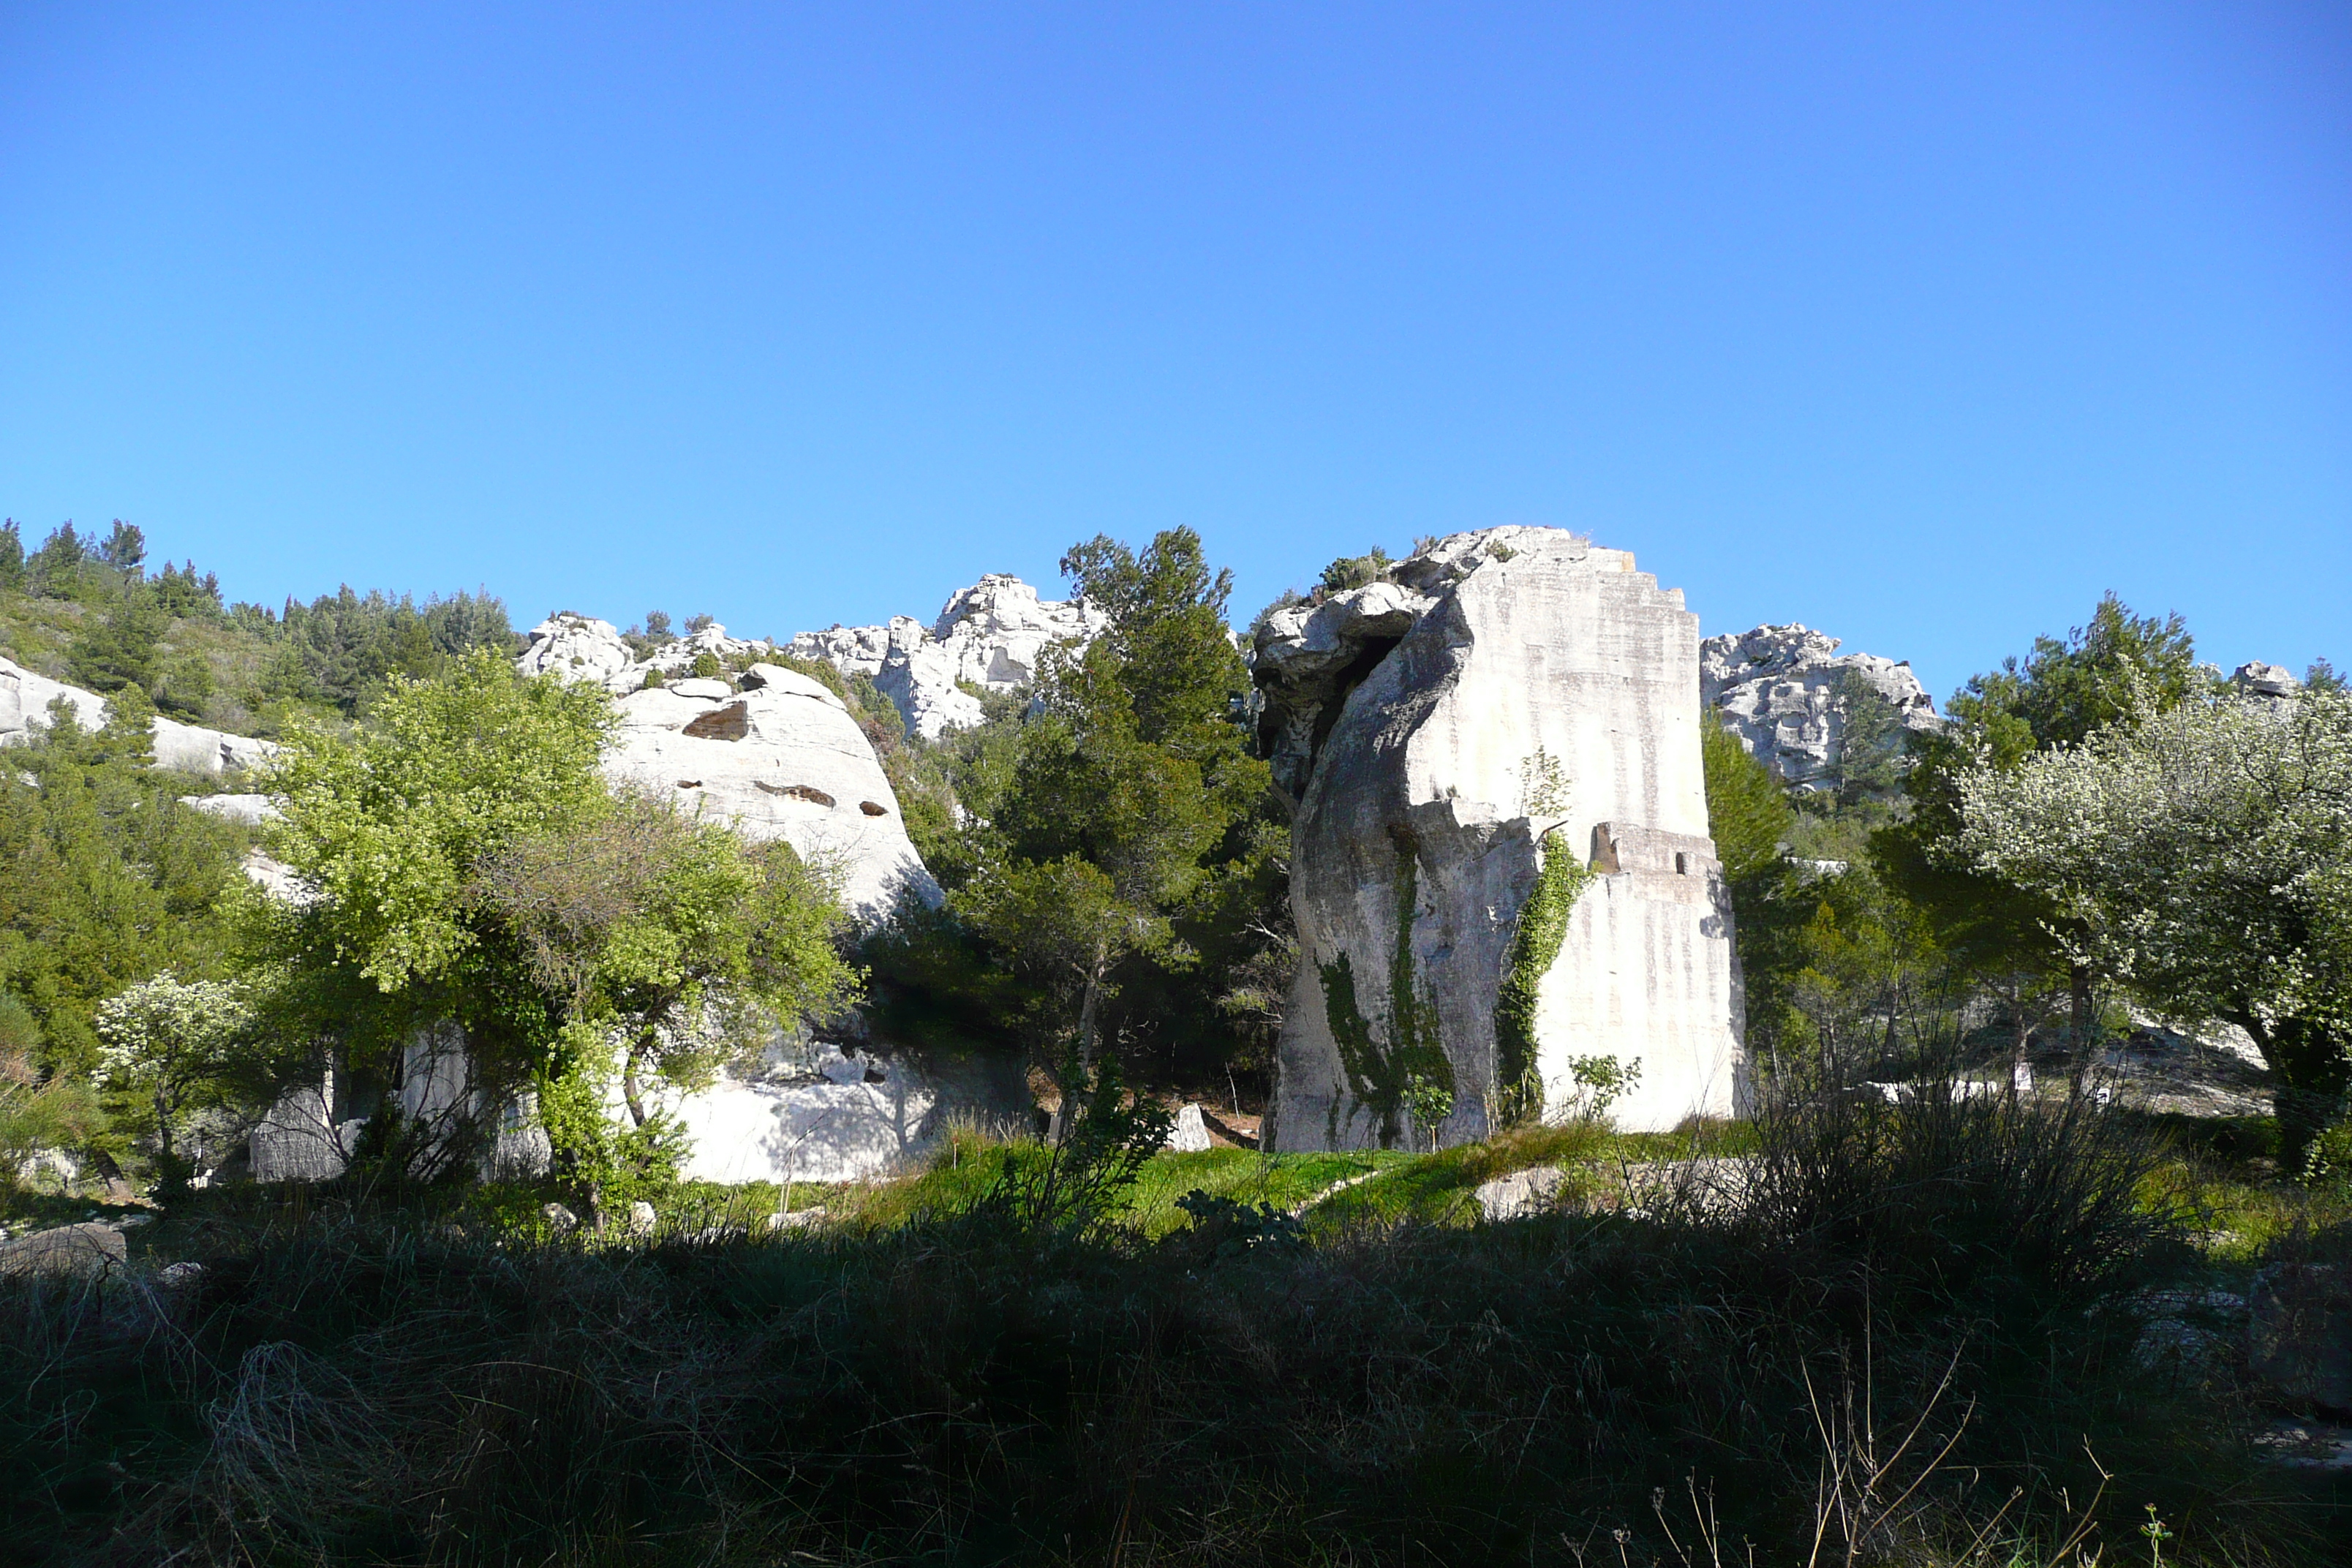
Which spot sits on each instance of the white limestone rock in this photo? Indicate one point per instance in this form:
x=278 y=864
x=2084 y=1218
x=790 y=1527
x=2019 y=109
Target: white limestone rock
x=1189 y=1135
x=1506 y=696
x=25 y=698
x=1783 y=692
x=783 y=760
x=990 y=636
x=2255 y=679
x=579 y=648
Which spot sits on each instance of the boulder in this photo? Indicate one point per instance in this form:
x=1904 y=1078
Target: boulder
x=990 y=636
x=2255 y=679
x=1505 y=701
x=1523 y=1194
x=64 y=1252
x=1788 y=695
x=1191 y=1134
x=2299 y=1332
x=783 y=760
x=25 y=698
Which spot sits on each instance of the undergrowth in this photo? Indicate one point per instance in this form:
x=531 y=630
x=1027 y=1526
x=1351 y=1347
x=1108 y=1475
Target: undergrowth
x=1912 y=1338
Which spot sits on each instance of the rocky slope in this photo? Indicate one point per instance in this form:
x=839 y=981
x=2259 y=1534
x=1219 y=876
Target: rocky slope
x=1789 y=696
x=988 y=637
x=25 y=699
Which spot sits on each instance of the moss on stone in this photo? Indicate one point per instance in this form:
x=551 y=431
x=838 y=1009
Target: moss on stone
x=1542 y=928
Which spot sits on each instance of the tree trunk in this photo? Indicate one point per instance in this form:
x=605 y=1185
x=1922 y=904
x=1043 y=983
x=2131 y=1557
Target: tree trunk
x=1087 y=1008
x=2079 y=1020
x=629 y=1090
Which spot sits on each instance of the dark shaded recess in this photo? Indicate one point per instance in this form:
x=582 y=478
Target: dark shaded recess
x=1356 y=670
x=732 y=722
x=873 y=809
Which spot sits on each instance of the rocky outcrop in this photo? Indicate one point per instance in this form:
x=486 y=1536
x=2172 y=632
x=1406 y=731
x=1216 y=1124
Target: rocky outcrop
x=1501 y=868
x=771 y=752
x=988 y=636
x=581 y=648
x=2273 y=681
x=25 y=698
x=780 y=759
x=1791 y=697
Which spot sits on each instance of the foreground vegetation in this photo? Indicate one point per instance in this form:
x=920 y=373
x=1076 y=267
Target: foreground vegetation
x=1919 y=1334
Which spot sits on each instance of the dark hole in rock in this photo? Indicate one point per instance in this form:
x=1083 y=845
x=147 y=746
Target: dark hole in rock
x=798 y=792
x=873 y=809
x=690 y=784
x=732 y=722
x=1359 y=670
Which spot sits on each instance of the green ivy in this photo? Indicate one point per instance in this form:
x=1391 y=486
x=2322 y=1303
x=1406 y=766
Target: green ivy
x=1543 y=926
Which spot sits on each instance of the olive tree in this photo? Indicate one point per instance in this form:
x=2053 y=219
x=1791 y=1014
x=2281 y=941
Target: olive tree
x=2202 y=856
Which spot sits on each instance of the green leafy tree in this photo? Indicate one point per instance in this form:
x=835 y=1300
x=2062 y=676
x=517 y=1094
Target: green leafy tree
x=12 y=555
x=2203 y=855
x=662 y=932
x=170 y=1047
x=105 y=877
x=1114 y=866
x=466 y=863
x=2059 y=696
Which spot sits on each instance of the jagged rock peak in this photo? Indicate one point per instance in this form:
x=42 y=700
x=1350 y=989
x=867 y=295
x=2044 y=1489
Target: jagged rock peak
x=988 y=636
x=1787 y=692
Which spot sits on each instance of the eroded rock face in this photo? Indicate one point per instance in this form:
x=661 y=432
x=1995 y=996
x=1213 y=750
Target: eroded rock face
x=25 y=698
x=781 y=760
x=990 y=636
x=1464 y=742
x=2255 y=679
x=1788 y=694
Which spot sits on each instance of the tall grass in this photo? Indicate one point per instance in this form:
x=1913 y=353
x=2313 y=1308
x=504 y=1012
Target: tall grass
x=1912 y=1337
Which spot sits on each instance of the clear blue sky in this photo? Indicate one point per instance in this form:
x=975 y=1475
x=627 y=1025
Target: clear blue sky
x=1921 y=324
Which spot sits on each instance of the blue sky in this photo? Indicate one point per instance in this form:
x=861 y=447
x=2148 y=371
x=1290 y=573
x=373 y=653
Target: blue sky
x=1921 y=324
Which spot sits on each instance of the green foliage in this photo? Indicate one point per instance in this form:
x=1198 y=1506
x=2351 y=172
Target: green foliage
x=1535 y=945
x=1355 y=571
x=12 y=555
x=471 y=866
x=707 y=667
x=117 y=648
x=2203 y=856
x=105 y=879
x=1747 y=811
x=1113 y=851
x=170 y=1047
x=1599 y=1082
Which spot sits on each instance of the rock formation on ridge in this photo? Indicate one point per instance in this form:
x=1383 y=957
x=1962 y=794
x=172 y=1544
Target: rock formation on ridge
x=1788 y=695
x=988 y=636
x=1500 y=861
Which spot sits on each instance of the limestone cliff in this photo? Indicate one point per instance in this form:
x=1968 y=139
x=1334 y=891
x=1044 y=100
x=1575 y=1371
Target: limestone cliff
x=1500 y=855
x=1791 y=697
x=988 y=636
